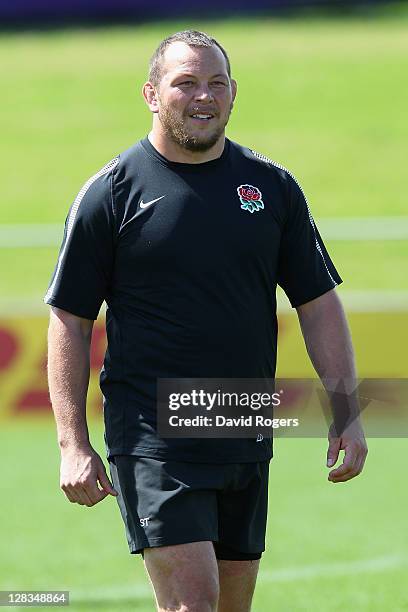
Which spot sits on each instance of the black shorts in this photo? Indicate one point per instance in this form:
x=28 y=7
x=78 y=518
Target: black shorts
x=164 y=503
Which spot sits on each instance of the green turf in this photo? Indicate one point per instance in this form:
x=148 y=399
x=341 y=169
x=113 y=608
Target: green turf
x=324 y=97
x=48 y=543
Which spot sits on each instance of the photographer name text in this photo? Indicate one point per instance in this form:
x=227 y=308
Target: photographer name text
x=219 y=420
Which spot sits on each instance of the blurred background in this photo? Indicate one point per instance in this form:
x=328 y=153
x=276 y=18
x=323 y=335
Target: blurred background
x=323 y=91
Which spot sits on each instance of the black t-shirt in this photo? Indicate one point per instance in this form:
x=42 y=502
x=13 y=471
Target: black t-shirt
x=187 y=258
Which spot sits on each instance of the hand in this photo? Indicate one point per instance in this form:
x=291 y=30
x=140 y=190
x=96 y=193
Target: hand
x=81 y=470
x=353 y=442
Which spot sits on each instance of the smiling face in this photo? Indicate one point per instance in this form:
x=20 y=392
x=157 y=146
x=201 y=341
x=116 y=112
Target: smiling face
x=193 y=101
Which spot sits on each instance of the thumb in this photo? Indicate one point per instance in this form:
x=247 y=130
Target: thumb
x=105 y=482
x=333 y=451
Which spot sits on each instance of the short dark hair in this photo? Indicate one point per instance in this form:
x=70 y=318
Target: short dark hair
x=193 y=38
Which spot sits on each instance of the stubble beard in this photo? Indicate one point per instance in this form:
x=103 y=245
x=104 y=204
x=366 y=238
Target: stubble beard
x=174 y=126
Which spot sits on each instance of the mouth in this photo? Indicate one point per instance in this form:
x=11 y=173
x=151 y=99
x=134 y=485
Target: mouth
x=202 y=117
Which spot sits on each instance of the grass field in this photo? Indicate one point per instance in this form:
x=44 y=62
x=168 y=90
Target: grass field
x=324 y=97
x=329 y=547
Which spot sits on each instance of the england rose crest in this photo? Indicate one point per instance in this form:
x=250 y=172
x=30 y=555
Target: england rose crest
x=251 y=198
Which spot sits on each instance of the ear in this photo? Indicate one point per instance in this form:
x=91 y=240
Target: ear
x=234 y=87
x=150 y=95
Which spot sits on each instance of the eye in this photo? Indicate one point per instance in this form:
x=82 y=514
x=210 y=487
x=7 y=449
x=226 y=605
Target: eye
x=219 y=83
x=185 y=84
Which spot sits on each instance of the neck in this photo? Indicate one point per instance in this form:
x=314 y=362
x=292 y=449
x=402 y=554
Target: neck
x=174 y=152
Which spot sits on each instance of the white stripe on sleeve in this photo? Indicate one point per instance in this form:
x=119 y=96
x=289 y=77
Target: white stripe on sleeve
x=71 y=219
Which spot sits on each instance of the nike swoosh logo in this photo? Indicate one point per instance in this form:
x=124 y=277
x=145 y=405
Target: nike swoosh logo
x=146 y=204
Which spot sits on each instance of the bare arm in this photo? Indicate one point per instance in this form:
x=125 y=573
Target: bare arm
x=69 y=339
x=328 y=342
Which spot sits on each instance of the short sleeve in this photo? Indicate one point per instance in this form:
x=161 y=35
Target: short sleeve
x=81 y=278
x=305 y=270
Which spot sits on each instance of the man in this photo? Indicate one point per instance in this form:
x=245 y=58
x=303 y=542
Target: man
x=185 y=236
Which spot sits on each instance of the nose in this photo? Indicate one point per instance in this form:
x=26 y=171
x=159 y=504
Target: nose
x=203 y=93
